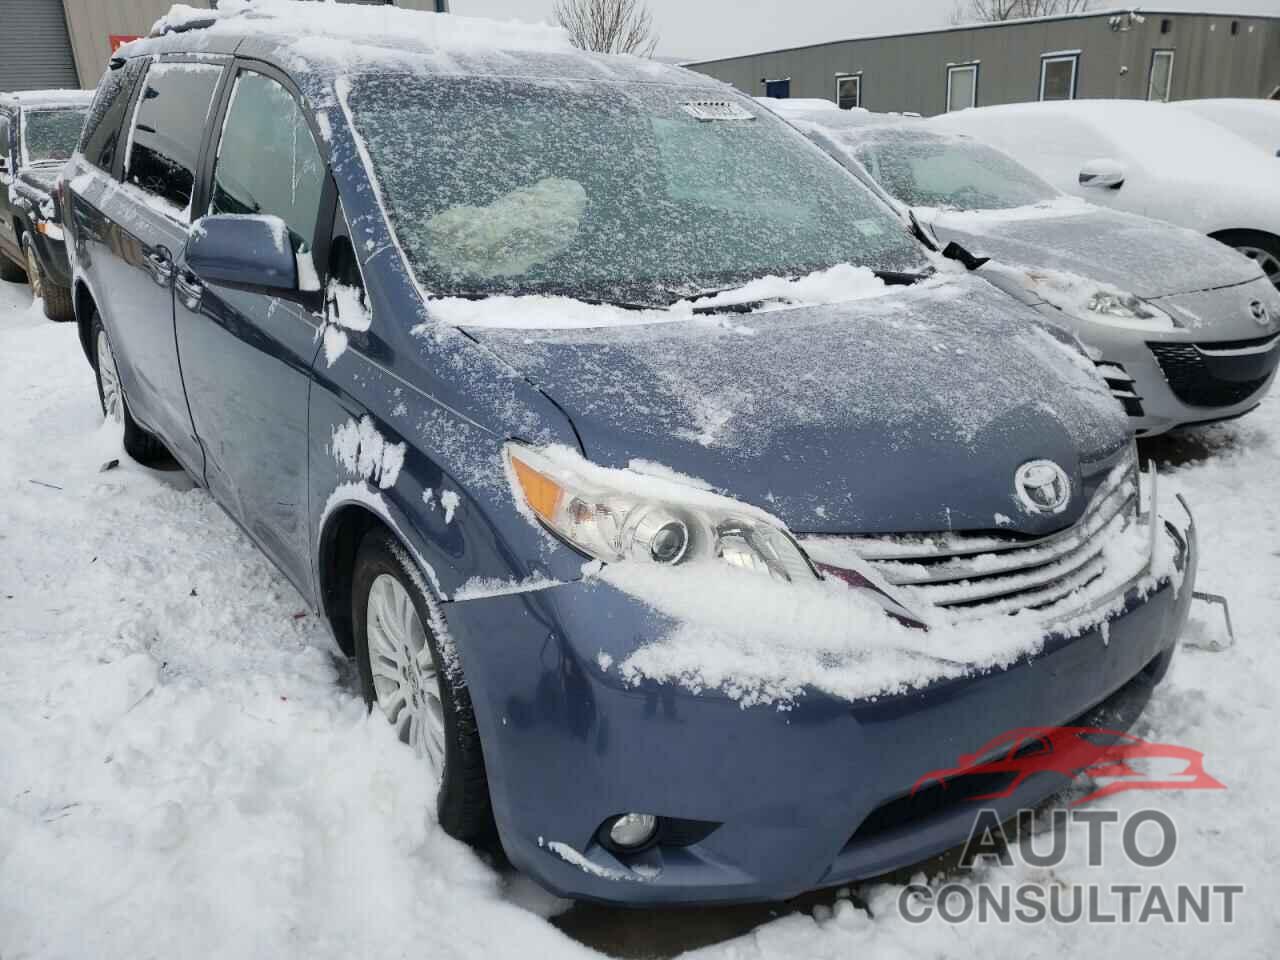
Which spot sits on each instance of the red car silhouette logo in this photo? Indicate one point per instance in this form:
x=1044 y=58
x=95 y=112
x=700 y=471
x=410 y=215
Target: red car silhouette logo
x=1126 y=761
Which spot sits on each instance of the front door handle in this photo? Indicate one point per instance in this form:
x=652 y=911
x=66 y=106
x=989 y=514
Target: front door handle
x=189 y=288
x=160 y=265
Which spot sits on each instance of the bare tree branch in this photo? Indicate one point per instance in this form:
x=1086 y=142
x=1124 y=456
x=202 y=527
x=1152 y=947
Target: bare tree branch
x=992 y=11
x=608 y=26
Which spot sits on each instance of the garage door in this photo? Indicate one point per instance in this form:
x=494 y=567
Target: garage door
x=35 y=51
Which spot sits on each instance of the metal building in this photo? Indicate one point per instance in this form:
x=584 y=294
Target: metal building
x=1114 y=53
x=67 y=43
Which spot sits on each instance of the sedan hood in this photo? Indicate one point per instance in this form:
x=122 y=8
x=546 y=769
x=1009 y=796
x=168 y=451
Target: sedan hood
x=908 y=412
x=1148 y=258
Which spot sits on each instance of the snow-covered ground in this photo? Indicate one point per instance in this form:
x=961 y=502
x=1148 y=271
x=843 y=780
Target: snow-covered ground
x=186 y=772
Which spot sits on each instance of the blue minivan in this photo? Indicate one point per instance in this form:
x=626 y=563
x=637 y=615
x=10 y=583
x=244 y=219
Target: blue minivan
x=676 y=507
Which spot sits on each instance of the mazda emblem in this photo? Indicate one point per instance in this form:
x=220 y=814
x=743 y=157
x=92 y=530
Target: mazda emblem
x=1042 y=486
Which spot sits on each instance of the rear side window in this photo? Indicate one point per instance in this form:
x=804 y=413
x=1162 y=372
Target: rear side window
x=268 y=162
x=104 y=127
x=168 y=126
x=4 y=139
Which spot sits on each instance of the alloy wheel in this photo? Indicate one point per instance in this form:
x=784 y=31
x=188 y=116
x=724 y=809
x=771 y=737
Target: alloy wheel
x=404 y=673
x=33 y=273
x=1267 y=260
x=109 y=377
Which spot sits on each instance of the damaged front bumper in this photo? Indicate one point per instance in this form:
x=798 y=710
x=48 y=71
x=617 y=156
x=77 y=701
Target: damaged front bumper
x=781 y=800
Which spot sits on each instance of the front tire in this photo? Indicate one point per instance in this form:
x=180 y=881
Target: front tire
x=57 y=300
x=138 y=443
x=405 y=675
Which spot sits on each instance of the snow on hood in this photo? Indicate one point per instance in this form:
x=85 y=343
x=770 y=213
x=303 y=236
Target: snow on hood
x=908 y=412
x=839 y=283
x=1149 y=258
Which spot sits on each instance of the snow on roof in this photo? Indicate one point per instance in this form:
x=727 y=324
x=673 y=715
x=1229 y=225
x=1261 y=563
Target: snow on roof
x=356 y=22
x=36 y=99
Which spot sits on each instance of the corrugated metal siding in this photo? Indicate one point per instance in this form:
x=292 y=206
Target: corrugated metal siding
x=35 y=51
x=910 y=72
x=94 y=22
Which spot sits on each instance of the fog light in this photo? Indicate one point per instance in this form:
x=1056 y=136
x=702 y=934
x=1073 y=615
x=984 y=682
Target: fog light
x=633 y=830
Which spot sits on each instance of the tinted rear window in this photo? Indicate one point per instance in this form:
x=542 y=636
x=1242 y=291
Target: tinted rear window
x=103 y=128
x=167 y=129
x=49 y=136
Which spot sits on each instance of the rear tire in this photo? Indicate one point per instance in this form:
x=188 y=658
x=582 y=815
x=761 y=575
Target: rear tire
x=57 y=300
x=138 y=443
x=1262 y=248
x=11 y=271
x=405 y=675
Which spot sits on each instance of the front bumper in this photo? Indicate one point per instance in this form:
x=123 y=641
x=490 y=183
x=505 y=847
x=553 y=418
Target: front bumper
x=803 y=797
x=1218 y=364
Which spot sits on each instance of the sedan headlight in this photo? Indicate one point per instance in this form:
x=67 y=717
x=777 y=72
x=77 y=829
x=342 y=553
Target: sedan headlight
x=1125 y=306
x=619 y=515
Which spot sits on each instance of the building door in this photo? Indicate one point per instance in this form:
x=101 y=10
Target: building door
x=962 y=87
x=1161 y=78
x=35 y=49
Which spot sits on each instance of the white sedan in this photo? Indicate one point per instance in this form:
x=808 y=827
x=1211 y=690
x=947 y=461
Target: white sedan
x=1145 y=158
x=1257 y=121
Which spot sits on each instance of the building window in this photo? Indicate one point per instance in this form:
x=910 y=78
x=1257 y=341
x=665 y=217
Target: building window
x=1160 y=79
x=1166 y=25
x=777 y=89
x=849 y=92
x=962 y=86
x=1058 y=75
x=1235 y=27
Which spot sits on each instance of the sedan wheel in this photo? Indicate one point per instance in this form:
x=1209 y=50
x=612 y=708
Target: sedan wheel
x=1268 y=261
x=405 y=678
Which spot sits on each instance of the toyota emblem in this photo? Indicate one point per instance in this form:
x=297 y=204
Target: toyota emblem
x=1042 y=486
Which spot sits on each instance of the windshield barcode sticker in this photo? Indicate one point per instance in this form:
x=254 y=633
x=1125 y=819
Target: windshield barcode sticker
x=716 y=110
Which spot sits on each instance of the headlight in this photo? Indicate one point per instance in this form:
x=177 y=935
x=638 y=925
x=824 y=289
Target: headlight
x=1126 y=306
x=619 y=515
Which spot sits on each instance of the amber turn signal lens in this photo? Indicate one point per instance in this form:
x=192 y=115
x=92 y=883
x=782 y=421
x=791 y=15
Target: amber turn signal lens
x=540 y=491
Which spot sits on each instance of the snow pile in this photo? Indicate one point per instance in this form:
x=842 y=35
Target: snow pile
x=837 y=284
x=188 y=773
x=363 y=22
x=363 y=452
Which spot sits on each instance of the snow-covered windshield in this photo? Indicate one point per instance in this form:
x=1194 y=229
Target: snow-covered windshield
x=605 y=191
x=923 y=170
x=51 y=135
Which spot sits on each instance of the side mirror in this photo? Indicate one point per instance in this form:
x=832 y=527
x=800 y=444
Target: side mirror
x=1102 y=173
x=247 y=253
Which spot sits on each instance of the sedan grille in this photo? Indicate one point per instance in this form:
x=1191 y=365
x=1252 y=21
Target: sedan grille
x=1217 y=374
x=974 y=576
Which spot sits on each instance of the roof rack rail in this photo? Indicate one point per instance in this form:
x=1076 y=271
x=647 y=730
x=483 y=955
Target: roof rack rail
x=183 y=27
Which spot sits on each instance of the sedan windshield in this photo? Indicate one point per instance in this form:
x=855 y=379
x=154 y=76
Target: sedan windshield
x=51 y=135
x=925 y=170
x=632 y=194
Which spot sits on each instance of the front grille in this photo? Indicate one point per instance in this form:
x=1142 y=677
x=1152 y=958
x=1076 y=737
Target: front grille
x=973 y=576
x=1121 y=386
x=1217 y=374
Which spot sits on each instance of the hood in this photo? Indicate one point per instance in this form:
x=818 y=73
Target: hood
x=1149 y=258
x=909 y=412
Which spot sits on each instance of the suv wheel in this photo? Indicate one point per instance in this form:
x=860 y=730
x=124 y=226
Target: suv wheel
x=138 y=443
x=57 y=300
x=403 y=674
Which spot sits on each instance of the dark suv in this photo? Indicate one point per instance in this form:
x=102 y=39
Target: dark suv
x=38 y=132
x=675 y=510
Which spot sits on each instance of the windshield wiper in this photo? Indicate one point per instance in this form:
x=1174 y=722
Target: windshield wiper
x=893 y=278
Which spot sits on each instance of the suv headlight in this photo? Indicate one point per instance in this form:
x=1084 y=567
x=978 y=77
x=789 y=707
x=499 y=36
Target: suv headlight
x=619 y=515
